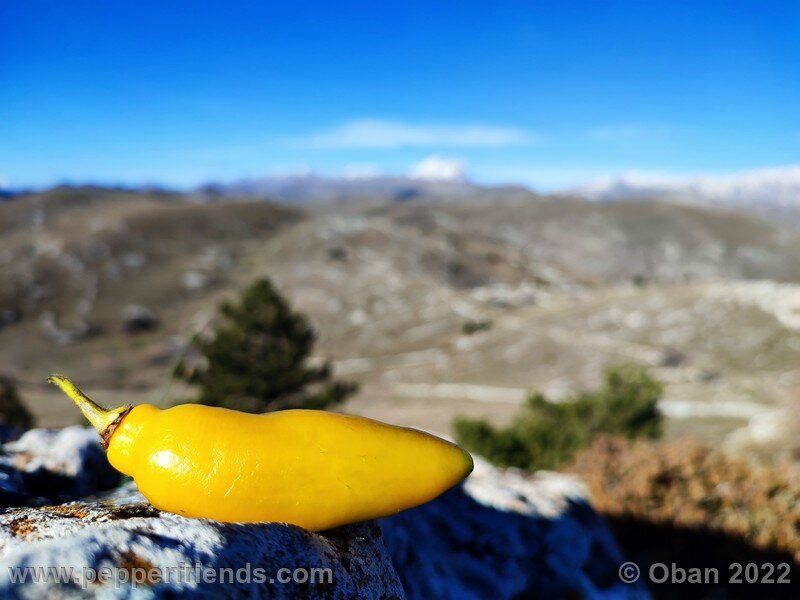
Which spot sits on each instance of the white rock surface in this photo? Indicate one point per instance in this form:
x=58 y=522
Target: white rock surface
x=49 y=466
x=504 y=534
x=507 y=535
x=171 y=556
x=120 y=532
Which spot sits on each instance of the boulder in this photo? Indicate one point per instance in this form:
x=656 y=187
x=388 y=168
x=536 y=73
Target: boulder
x=121 y=547
x=115 y=545
x=138 y=319
x=503 y=534
x=195 y=281
x=47 y=466
x=81 y=330
x=508 y=534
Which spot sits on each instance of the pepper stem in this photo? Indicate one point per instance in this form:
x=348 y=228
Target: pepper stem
x=101 y=418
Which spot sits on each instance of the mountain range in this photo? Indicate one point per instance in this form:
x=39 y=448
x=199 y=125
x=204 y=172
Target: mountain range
x=773 y=193
x=316 y=188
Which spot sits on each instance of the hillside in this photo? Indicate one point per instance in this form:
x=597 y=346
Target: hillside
x=76 y=261
x=620 y=242
x=437 y=308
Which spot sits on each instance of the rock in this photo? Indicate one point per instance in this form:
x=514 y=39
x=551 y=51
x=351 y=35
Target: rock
x=46 y=466
x=195 y=281
x=503 y=295
x=64 y=335
x=171 y=556
x=119 y=530
x=673 y=358
x=10 y=316
x=215 y=257
x=133 y=260
x=507 y=535
x=504 y=534
x=138 y=319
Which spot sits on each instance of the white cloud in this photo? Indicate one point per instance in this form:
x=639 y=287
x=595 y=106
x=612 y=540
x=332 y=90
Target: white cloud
x=438 y=168
x=376 y=133
x=5 y=181
x=627 y=132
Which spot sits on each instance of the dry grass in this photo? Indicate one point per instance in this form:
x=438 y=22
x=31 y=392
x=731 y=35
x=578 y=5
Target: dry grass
x=684 y=484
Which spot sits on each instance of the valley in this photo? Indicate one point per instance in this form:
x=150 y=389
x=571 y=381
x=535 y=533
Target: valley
x=437 y=308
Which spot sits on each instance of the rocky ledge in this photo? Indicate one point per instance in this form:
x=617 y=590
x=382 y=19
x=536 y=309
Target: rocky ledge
x=501 y=535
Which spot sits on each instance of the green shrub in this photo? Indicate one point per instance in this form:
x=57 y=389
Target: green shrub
x=475 y=325
x=258 y=359
x=505 y=448
x=546 y=434
x=13 y=411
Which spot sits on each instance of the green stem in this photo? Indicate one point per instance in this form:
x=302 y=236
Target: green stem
x=100 y=418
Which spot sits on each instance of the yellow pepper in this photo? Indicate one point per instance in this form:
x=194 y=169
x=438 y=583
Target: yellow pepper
x=310 y=468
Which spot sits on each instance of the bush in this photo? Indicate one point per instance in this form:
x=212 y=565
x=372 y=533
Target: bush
x=546 y=434
x=474 y=326
x=687 y=485
x=258 y=360
x=13 y=413
x=505 y=448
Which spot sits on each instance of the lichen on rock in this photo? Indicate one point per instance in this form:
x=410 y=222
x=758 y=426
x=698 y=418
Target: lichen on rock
x=168 y=555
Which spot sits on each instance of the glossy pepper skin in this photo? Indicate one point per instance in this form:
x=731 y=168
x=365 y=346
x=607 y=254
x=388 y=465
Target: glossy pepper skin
x=310 y=468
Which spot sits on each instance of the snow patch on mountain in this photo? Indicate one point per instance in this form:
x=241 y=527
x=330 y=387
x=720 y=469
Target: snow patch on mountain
x=438 y=168
x=761 y=189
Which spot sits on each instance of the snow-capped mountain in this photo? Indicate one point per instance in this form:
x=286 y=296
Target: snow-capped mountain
x=434 y=177
x=770 y=192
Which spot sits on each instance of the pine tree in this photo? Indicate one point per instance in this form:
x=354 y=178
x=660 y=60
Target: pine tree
x=258 y=359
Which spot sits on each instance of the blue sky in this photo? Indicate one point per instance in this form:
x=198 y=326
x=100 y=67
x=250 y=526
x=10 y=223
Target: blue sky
x=543 y=93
